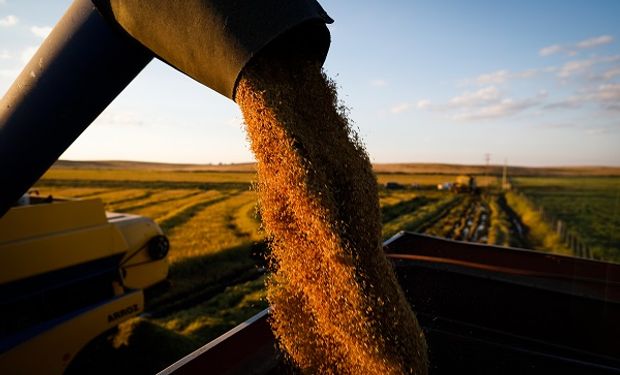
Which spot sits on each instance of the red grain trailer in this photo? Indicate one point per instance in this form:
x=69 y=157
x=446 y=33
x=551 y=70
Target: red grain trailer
x=484 y=309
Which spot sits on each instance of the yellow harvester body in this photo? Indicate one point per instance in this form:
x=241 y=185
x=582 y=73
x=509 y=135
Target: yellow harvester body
x=465 y=183
x=70 y=272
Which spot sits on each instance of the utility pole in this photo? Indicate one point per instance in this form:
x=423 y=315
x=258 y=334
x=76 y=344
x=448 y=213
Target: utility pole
x=505 y=176
x=487 y=159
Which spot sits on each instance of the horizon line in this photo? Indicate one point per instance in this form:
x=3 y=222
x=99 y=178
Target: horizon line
x=373 y=163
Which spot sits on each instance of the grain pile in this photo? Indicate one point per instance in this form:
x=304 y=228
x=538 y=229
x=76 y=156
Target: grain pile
x=336 y=304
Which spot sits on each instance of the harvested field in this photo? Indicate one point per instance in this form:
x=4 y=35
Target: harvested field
x=212 y=225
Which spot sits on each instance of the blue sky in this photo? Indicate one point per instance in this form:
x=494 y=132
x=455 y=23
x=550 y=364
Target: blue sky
x=533 y=82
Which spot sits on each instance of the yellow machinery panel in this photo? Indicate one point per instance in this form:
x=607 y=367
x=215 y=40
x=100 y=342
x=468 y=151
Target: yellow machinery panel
x=51 y=351
x=40 y=238
x=53 y=217
x=70 y=272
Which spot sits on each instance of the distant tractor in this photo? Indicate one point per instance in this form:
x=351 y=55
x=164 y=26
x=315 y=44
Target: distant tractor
x=465 y=184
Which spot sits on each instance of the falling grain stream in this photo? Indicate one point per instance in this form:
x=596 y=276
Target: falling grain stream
x=336 y=304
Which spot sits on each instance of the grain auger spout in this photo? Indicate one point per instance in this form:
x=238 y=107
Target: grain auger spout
x=100 y=46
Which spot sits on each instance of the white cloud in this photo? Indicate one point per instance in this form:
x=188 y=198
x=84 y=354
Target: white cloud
x=572 y=49
x=566 y=103
x=550 y=50
x=571 y=68
x=611 y=73
x=576 y=67
x=401 y=107
x=41 y=31
x=550 y=69
x=484 y=95
x=607 y=96
x=607 y=59
x=485 y=103
x=491 y=100
x=504 y=108
x=609 y=92
x=542 y=94
x=527 y=73
x=9 y=21
x=497 y=77
x=595 y=42
x=378 y=82
x=423 y=104
x=5 y=55
x=27 y=53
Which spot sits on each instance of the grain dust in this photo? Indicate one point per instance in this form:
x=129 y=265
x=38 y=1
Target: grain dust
x=336 y=304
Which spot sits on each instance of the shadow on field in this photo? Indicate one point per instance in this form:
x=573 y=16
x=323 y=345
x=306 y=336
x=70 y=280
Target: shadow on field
x=144 y=184
x=187 y=213
x=207 y=295
x=425 y=214
x=517 y=231
x=393 y=211
x=136 y=347
x=145 y=195
x=195 y=279
x=153 y=202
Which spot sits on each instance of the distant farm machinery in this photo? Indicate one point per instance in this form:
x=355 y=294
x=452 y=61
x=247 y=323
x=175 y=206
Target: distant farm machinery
x=462 y=184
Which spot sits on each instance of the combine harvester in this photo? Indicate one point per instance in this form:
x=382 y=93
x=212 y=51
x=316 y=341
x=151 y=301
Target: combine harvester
x=466 y=184
x=70 y=272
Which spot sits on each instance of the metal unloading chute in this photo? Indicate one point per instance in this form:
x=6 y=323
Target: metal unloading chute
x=100 y=46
